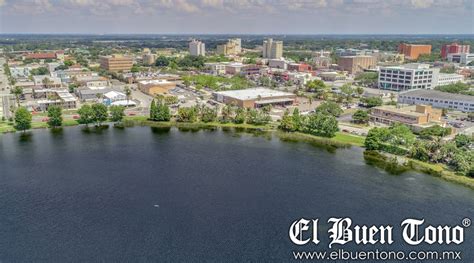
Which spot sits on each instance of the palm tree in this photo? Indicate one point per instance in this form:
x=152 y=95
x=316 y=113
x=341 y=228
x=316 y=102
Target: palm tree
x=99 y=96
x=46 y=82
x=128 y=93
x=17 y=91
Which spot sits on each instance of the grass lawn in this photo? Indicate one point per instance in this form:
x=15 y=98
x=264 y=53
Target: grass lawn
x=6 y=127
x=349 y=138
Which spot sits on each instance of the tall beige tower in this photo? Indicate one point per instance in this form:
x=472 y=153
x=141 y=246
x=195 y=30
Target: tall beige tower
x=272 y=49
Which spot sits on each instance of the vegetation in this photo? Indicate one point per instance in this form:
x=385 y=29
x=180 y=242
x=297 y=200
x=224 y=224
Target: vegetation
x=434 y=131
x=367 y=78
x=55 y=116
x=371 y=102
x=457 y=88
x=86 y=115
x=39 y=71
x=159 y=111
x=117 y=113
x=23 y=119
x=361 y=117
x=17 y=92
x=100 y=113
x=216 y=82
x=329 y=108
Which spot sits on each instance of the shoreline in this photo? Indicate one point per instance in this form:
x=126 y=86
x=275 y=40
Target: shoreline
x=341 y=140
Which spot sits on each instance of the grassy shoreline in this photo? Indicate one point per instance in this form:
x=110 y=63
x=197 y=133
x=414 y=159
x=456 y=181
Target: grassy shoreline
x=341 y=140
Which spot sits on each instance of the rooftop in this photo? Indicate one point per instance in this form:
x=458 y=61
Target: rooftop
x=436 y=94
x=154 y=81
x=254 y=93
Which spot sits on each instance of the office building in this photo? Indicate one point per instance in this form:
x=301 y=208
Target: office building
x=462 y=58
x=438 y=99
x=453 y=48
x=197 y=48
x=148 y=59
x=417 y=117
x=116 y=63
x=232 y=47
x=412 y=51
x=255 y=97
x=272 y=49
x=407 y=77
x=356 y=64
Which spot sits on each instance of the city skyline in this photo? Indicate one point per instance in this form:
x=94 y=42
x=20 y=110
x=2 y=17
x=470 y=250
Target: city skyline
x=237 y=17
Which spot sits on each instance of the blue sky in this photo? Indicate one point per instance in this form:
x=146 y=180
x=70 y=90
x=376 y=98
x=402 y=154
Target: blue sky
x=238 y=16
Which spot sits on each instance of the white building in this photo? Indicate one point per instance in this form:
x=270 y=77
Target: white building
x=217 y=68
x=462 y=58
x=278 y=63
x=407 y=77
x=443 y=79
x=438 y=99
x=197 y=48
x=272 y=49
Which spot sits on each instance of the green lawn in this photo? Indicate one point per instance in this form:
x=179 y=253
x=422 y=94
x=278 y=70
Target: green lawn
x=349 y=138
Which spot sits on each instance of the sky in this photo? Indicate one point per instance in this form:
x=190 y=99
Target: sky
x=237 y=16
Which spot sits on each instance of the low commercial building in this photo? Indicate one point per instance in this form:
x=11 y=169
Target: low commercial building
x=300 y=67
x=438 y=99
x=255 y=97
x=216 y=68
x=356 y=64
x=233 y=68
x=47 y=81
x=412 y=51
x=417 y=117
x=53 y=97
x=278 y=63
x=91 y=94
x=156 y=86
x=250 y=69
x=331 y=76
x=443 y=79
x=116 y=63
x=407 y=77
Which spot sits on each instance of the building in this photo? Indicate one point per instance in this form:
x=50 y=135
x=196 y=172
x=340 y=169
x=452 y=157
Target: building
x=442 y=79
x=255 y=97
x=356 y=64
x=463 y=58
x=233 y=68
x=91 y=94
x=272 y=49
x=216 y=68
x=47 y=81
x=148 y=59
x=156 y=86
x=407 y=77
x=197 y=48
x=438 y=99
x=453 y=48
x=116 y=63
x=331 y=76
x=278 y=63
x=417 y=117
x=232 y=47
x=53 y=97
x=412 y=51
x=50 y=55
x=300 y=67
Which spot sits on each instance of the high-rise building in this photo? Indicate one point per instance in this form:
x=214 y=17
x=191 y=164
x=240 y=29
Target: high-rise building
x=453 y=48
x=407 y=77
x=272 y=49
x=116 y=63
x=232 y=47
x=197 y=48
x=413 y=51
x=355 y=64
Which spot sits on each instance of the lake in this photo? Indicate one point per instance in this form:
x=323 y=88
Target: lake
x=165 y=195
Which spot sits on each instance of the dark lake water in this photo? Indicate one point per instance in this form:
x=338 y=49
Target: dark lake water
x=154 y=195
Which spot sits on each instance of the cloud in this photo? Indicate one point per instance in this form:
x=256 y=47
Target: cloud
x=2 y=2
x=421 y=3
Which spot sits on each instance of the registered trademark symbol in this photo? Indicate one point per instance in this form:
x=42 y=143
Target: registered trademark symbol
x=466 y=222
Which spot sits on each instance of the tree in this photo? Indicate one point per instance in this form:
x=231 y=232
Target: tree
x=227 y=113
x=55 y=115
x=17 y=92
x=257 y=117
x=187 y=114
x=128 y=93
x=297 y=119
x=361 y=116
x=170 y=100
x=240 y=116
x=117 y=113
x=375 y=138
x=367 y=78
x=162 y=61
x=347 y=92
x=359 y=91
x=162 y=112
x=208 y=114
x=329 y=108
x=100 y=113
x=434 y=130
x=400 y=134
x=86 y=115
x=287 y=123
x=23 y=119
x=463 y=140
x=321 y=125
x=318 y=87
x=372 y=101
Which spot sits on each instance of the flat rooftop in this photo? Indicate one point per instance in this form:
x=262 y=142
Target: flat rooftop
x=436 y=94
x=407 y=110
x=154 y=81
x=254 y=93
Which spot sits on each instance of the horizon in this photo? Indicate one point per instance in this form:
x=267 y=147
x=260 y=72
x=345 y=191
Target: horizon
x=216 y=17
